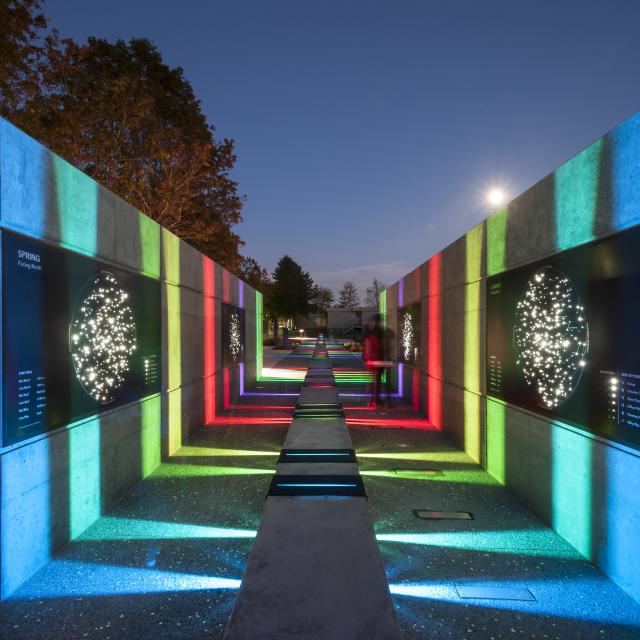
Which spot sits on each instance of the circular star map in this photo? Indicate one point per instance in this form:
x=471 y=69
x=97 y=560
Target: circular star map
x=235 y=336
x=408 y=337
x=551 y=336
x=102 y=337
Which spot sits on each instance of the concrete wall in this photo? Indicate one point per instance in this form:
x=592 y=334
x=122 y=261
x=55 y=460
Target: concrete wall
x=55 y=485
x=587 y=488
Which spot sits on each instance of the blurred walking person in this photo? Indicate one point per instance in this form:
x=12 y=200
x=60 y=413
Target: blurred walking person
x=377 y=359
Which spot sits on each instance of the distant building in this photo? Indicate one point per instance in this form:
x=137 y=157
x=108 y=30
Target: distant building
x=348 y=322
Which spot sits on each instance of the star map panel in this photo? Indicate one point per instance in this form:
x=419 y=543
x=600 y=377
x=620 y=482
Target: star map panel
x=232 y=335
x=562 y=337
x=79 y=337
x=409 y=334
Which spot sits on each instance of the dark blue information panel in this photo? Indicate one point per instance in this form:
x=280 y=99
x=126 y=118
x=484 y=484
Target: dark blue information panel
x=563 y=340
x=79 y=337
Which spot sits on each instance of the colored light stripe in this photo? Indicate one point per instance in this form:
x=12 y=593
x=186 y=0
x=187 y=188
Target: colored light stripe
x=434 y=350
x=317 y=454
x=209 y=303
x=305 y=485
x=472 y=340
x=497 y=242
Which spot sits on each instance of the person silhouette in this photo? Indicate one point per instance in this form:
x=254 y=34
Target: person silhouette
x=377 y=351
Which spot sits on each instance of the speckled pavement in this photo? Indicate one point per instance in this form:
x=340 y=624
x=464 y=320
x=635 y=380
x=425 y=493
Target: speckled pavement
x=428 y=561
x=165 y=562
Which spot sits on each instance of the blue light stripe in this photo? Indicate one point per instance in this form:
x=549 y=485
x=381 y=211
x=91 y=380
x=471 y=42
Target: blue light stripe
x=317 y=454
x=299 y=484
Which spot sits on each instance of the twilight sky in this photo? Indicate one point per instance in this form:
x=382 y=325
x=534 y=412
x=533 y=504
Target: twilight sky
x=368 y=131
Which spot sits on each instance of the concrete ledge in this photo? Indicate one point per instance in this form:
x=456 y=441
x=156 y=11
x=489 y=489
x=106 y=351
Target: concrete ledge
x=315 y=572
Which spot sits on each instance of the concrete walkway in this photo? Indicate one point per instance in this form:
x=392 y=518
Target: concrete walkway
x=315 y=570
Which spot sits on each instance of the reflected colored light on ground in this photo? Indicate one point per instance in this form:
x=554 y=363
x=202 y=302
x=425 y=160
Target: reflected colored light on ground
x=272 y=374
x=399 y=423
x=373 y=410
x=433 y=456
x=86 y=579
x=270 y=394
x=248 y=421
x=204 y=470
x=535 y=543
x=111 y=528
x=547 y=602
x=433 y=591
x=214 y=452
x=262 y=407
x=471 y=476
x=365 y=395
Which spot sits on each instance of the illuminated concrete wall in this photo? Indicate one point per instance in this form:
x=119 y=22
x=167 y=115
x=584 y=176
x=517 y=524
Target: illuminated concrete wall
x=55 y=485
x=587 y=488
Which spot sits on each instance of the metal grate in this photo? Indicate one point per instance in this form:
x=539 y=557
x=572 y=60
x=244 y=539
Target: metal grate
x=425 y=514
x=417 y=472
x=494 y=593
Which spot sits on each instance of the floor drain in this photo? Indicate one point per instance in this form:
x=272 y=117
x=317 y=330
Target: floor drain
x=417 y=472
x=424 y=514
x=494 y=593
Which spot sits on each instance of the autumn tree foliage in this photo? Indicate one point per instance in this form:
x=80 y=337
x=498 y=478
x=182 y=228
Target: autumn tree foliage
x=117 y=112
x=24 y=41
x=255 y=275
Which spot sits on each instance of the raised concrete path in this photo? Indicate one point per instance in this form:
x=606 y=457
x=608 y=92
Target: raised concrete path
x=315 y=570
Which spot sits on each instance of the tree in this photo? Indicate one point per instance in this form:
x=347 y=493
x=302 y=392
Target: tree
x=254 y=275
x=24 y=41
x=373 y=293
x=291 y=291
x=349 y=298
x=322 y=298
x=120 y=114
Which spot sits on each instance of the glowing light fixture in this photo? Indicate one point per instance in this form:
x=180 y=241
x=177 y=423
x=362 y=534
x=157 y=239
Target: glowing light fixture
x=551 y=336
x=235 y=336
x=102 y=337
x=315 y=484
